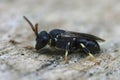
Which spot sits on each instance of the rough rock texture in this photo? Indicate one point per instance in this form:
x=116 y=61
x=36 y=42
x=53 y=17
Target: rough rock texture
x=19 y=61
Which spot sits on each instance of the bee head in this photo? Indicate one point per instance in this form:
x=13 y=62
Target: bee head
x=42 y=38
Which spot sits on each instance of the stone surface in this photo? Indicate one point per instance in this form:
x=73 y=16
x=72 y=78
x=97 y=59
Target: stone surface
x=19 y=61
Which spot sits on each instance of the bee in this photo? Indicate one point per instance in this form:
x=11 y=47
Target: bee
x=66 y=40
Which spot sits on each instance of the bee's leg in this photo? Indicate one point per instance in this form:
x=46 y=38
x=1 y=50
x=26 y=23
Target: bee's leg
x=66 y=56
x=88 y=52
x=67 y=52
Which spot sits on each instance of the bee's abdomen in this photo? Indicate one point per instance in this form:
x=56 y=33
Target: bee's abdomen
x=91 y=45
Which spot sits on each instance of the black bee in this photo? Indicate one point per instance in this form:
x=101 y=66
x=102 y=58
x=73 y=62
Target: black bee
x=66 y=40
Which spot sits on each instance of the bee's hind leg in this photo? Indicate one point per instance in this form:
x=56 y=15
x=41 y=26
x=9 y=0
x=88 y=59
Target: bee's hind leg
x=89 y=53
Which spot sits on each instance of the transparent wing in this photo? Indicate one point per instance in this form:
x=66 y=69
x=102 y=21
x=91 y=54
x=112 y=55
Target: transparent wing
x=82 y=35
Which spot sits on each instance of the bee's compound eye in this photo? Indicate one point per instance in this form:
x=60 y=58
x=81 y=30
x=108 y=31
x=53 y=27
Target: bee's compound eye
x=42 y=40
x=40 y=43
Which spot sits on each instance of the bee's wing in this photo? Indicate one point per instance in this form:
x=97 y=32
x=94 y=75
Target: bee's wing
x=82 y=35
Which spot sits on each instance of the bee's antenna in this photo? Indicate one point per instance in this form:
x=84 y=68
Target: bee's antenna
x=35 y=29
